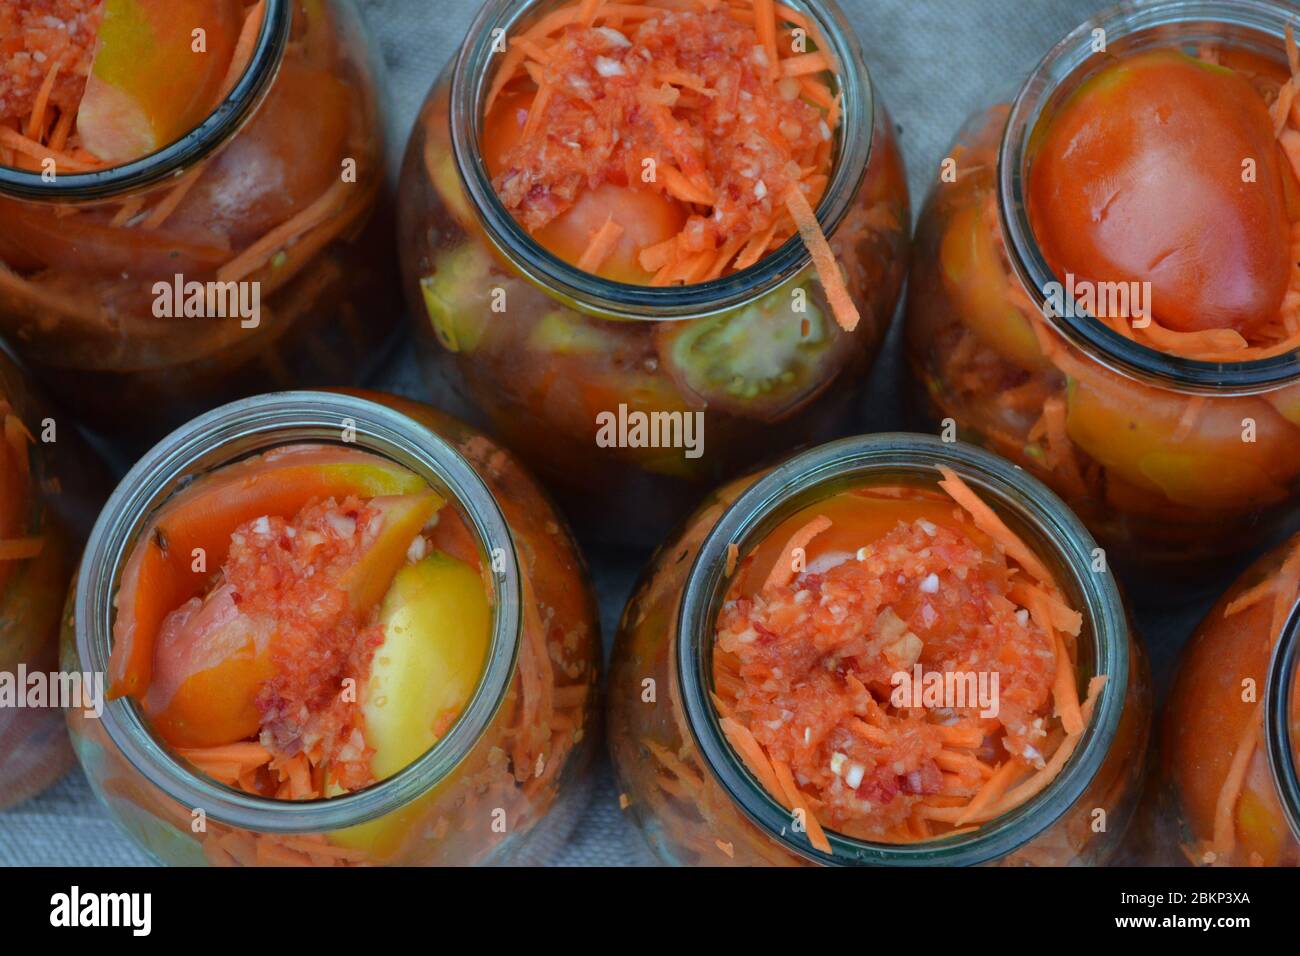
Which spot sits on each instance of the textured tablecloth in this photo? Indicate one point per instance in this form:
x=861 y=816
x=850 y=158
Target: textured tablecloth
x=934 y=61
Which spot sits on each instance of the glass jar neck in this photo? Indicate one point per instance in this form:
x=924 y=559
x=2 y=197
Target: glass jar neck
x=471 y=80
x=1253 y=24
x=1282 y=720
x=178 y=157
x=1030 y=507
x=241 y=430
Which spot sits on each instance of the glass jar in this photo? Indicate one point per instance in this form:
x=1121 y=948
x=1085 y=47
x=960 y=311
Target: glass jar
x=1230 y=786
x=693 y=797
x=273 y=209
x=504 y=783
x=1171 y=462
x=49 y=488
x=540 y=351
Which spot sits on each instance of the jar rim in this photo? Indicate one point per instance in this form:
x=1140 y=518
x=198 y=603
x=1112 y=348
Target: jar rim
x=891 y=454
x=236 y=432
x=470 y=80
x=179 y=156
x=1064 y=62
x=1281 y=699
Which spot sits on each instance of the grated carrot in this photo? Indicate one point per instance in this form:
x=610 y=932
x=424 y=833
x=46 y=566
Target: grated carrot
x=260 y=252
x=988 y=522
x=991 y=792
x=601 y=246
x=743 y=742
x=1225 y=831
x=765 y=25
x=837 y=293
x=243 y=52
x=783 y=571
x=36 y=124
x=684 y=174
x=816 y=835
x=805 y=64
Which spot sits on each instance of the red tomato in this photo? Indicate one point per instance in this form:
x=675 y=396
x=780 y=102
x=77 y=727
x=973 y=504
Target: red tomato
x=647 y=217
x=1141 y=177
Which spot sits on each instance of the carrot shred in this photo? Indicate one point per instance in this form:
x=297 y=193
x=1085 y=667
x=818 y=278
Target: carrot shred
x=783 y=571
x=1225 y=831
x=260 y=252
x=991 y=792
x=988 y=522
x=846 y=313
x=765 y=25
x=743 y=742
x=601 y=247
x=243 y=52
x=20 y=549
x=816 y=835
x=27 y=147
x=36 y=123
x=805 y=64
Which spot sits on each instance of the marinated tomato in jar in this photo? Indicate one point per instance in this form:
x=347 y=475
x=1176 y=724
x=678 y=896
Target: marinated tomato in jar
x=666 y=149
x=1160 y=189
x=331 y=570
x=858 y=658
x=896 y=665
x=305 y=624
x=188 y=199
x=1221 y=789
x=48 y=487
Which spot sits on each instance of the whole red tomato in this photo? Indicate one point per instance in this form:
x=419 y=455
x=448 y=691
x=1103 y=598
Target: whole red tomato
x=1145 y=174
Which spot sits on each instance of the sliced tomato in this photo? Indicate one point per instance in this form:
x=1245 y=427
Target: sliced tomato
x=155 y=75
x=1240 y=452
x=209 y=662
x=164 y=570
x=647 y=218
x=1142 y=175
x=977 y=283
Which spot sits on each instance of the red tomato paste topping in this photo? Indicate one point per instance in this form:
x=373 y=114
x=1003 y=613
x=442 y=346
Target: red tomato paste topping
x=667 y=142
x=810 y=667
x=280 y=595
x=289 y=571
x=1177 y=177
x=40 y=39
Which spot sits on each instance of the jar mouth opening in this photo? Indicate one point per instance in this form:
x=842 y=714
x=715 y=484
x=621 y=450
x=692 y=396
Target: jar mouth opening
x=1129 y=26
x=888 y=458
x=240 y=431
x=1282 y=719
x=471 y=79
x=179 y=156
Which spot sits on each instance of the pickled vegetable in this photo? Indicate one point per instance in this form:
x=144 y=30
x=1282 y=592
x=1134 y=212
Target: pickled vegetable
x=1224 y=793
x=883 y=590
x=765 y=357
x=327 y=643
x=1139 y=177
x=160 y=68
x=672 y=181
x=437 y=625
